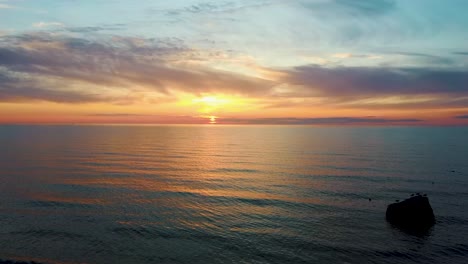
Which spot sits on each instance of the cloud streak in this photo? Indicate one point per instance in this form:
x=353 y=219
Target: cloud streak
x=377 y=81
x=20 y=89
x=317 y=121
x=47 y=24
x=124 y=64
x=93 y=29
x=217 y=7
x=66 y=68
x=352 y=7
x=5 y=6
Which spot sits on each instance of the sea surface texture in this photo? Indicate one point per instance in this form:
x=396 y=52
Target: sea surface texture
x=229 y=194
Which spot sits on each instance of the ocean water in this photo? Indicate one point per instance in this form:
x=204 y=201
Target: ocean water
x=229 y=194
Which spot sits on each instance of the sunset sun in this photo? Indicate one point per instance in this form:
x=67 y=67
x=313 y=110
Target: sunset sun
x=211 y=101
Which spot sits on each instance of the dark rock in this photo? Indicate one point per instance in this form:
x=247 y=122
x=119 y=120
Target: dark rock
x=413 y=214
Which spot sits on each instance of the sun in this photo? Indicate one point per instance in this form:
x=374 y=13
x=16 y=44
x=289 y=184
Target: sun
x=215 y=105
x=212 y=119
x=211 y=101
x=211 y=104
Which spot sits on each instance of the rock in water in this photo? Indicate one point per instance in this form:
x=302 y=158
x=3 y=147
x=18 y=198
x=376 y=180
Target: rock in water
x=413 y=214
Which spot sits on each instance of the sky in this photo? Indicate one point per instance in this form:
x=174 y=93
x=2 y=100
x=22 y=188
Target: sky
x=314 y=62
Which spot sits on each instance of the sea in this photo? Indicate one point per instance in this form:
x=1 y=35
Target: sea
x=228 y=194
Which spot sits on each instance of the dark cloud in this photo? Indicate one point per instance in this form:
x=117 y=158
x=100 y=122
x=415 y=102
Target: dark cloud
x=462 y=117
x=316 y=121
x=367 y=81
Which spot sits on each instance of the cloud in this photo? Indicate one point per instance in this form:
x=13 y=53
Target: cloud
x=462 y=117
x=371 y=7
x=130 y=118
x=354 y=56
x=372 y=87
x=427 y=59
x=351 y=7
x=361 y=23
x=377 y=81
x=47 y=24
x=116 y=66
x=111 y=27
x=4 y=32
x=5 y=6
x=342 y=55
x=219 y=7
x=124 y=115
x=20 y=89
x=123 y=70
x=316 y=121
